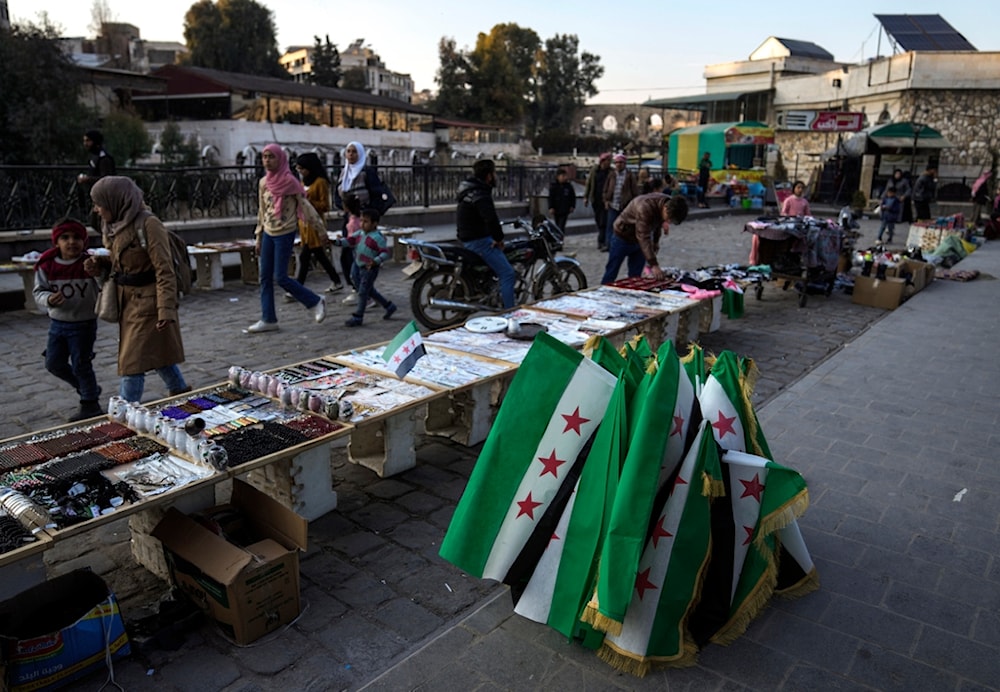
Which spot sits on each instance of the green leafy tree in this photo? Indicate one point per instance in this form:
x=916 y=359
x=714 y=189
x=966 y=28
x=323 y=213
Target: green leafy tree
x=565 y=80
x=232 y=35
x=125 y=137
x=498 y=80
x=41 y=119
x=325 y=64
x=452 y=79
x=174 y=149
x=354 y=79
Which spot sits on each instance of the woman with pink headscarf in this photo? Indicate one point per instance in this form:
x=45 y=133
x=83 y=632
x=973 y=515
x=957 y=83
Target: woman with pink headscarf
x=281 y=203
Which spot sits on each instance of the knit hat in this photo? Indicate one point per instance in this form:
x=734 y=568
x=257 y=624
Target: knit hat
x=71 y=226
x=619 y=157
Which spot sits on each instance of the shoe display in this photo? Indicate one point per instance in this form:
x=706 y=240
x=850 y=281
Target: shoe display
x=319 y=310
x=335 y=288
x=389 y=311
x=355 y=321
x=262 y=326
x=351 y=297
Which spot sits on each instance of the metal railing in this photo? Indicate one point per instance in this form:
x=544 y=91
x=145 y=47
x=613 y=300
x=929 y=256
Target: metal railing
x=34 y=197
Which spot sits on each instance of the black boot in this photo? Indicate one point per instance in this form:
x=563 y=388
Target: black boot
x=88 y=409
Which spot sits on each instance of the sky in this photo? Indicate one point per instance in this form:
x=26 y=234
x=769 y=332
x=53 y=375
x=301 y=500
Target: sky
x=648 y=50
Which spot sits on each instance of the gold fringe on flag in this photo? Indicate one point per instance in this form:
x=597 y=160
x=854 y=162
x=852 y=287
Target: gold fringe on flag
x=748 y=380
x=751 y=607
x=639 y=666
x=806 y=585
x=591 y=344
x=781 y=517
x=599 y=621
x=712 y=487
x=633 y=342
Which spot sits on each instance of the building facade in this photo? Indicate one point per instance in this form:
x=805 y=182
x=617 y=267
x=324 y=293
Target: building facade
x=379 y=80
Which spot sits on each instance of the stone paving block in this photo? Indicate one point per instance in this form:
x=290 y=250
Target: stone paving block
x=875 y=534
x=919 y=521
x=930 y=608
x=420 y=503
x=900 y=567
x=851 y=505
x=490 y=614
x=436 y=660
x=886 y=670
x=364 y=646
x=408 y=619
x=363 y=591
x=845 y=581
x=966 y=589
x=769 y=669
x=356 y=543
x=886 y=489
x=950 y=554
x=272 y=654
x=378 y=516
x=318 y=608
x=502 y=657
x=807 y=640
x=417 y=535
x=444 y=589
x=805 y=677
x=986 y=628
x=203 y=669
x=427 y=476
x=326 y=571
x=388 y=488
x=871 y=623
x=319 y=672
x=392 y=563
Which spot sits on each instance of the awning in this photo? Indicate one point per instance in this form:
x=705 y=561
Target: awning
x=698 y=102
x=902 y=136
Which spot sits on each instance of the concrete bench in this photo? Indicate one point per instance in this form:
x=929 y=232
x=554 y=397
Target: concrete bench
x=208 y=262
x=26 y=270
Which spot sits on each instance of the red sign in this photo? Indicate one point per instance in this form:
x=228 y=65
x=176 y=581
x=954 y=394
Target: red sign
x=832 y=121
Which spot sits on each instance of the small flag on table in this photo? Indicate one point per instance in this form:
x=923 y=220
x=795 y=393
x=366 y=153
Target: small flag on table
x=404 y=350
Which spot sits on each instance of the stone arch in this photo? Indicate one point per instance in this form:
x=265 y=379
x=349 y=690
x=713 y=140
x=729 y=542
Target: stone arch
x=609 y=123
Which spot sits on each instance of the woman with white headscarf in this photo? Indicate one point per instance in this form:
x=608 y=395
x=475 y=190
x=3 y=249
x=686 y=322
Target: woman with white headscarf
x=357 y=183
x=140 y=268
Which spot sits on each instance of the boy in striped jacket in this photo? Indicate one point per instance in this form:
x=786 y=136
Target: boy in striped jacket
x=370 y=251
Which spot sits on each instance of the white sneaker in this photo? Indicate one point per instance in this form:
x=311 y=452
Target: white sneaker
x=335 y=288
x=351 y=297
x=289 y=298
x=319 y=310
x=262 y=326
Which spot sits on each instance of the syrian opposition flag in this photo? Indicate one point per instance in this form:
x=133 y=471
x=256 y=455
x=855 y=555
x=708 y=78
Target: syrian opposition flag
x=564 y=577
x=667 y=581
x=529 y=464
x=660 y=420
x=725 y=403
x=404 y=350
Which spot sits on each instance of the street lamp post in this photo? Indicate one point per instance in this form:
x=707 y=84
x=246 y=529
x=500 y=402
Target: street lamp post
x=917 y=129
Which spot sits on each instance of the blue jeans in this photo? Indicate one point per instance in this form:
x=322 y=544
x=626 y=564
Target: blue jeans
x=609 y=229
x=886 y=226
x=497 y=261
x=618 y=251
x=132 y=385
x=69 y=355
x=275 y=253
x=364 y=279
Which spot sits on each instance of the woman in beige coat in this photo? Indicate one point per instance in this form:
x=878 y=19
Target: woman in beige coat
x=140 y=268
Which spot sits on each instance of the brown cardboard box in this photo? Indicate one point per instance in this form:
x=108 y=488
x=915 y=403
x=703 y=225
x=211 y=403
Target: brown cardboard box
x=878 y=293
x=922 y=273
x=250 y=591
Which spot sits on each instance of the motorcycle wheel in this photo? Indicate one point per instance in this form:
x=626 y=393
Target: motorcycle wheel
x=443 y=285
x=566 y=277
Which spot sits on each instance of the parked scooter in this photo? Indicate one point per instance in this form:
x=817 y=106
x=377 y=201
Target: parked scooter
x=453 y=283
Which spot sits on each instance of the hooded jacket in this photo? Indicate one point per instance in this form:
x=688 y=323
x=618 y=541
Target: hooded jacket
x=476 y=216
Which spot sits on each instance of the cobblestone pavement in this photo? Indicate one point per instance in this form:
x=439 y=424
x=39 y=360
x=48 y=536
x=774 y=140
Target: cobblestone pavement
x=373 y=586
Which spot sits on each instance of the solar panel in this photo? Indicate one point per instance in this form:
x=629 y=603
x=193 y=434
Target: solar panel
x=926 y=32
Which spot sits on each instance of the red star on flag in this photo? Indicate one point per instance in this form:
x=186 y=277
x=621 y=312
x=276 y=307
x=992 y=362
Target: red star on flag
x=406 y=347
x=660 y=532
x=551 y=464
x=752 y=487
x=678 y=425
x=724 y=425
x=749 y=530
x=574 y=421
x=555 y=537
x=677 y=481
x=396 y=359
x=642 y=582
x=527 y=507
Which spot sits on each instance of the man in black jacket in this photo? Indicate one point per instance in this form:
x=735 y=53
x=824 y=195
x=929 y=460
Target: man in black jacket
x=479 y=226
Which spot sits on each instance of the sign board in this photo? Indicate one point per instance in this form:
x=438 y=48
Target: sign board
x=748 y=134
x=821 y=121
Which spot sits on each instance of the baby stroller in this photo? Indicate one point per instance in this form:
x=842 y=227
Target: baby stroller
x=803 y=252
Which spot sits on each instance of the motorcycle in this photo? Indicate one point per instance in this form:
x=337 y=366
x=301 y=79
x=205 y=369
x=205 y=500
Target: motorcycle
x=452 y=282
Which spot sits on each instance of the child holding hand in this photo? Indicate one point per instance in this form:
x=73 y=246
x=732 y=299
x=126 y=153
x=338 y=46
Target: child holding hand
x=370 y=251
x=68 y=294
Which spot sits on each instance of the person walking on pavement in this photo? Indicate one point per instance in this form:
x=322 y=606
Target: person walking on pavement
x=925 y=192
x=140 y=268
x=370 y=252
x=635 y=240
x=901 y=181
x=478 y=225
x=314 y=240
x=619 y=189
x=562 y=199
x=358 y=181
x=704 y=173
x=99 y=164
x=593 y=194
x=68 y=294
x=281 y=204
x=890 y=210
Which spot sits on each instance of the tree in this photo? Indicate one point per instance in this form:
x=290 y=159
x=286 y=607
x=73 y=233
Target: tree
x=565 y=80
x=355 y=79
x=232 y=35
x=452 y=79
x=174 y=150
x=100 y=14
x=41 y=118
x=325 y=64
x=500 y=76
x=125 y=137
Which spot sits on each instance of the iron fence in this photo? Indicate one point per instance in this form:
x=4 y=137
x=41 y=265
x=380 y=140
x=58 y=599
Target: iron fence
x=34 y=197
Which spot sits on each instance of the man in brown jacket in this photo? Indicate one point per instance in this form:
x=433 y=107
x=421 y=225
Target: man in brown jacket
x=619 y=189
x=636 y=237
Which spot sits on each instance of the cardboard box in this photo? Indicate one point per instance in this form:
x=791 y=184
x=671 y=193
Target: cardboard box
x=58 y=632
x=921 y=273
x=878 y=293
x=251 y=590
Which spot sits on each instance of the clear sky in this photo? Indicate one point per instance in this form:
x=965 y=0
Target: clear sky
x=648 y=50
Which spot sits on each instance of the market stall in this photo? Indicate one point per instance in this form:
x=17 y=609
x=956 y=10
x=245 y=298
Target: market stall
x=736 y=150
